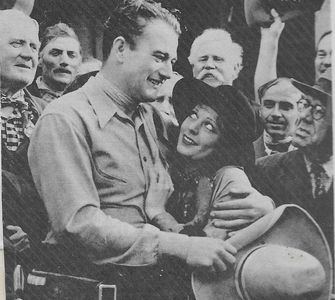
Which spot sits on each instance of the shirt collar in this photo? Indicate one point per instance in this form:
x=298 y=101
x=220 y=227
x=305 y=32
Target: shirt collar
x=101 y=95
x=16 y=99
x=41 y=85
x=267 y=138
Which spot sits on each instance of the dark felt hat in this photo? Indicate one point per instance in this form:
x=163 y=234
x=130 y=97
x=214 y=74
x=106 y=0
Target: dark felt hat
x=257 y=12
x=322 y=89
x=282 y=256
x=234 y=109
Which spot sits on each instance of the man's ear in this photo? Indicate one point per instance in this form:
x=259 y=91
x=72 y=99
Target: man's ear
x=190 y=61
x=120 y=45
x=40 y=59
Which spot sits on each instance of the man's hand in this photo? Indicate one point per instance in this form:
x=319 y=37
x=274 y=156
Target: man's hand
x=241 y=207
x=19 y=238
x=160 y=189
x=212 y=255
x=275 y=29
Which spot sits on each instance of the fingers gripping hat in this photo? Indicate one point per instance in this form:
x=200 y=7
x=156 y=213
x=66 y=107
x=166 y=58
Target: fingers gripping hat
x=282 y=256
x=257 y=12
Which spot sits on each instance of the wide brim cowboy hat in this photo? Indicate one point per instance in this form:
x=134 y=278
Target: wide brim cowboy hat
x=284 y=255
x=257 y=12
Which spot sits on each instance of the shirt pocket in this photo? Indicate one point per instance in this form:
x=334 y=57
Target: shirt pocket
x=109 y=168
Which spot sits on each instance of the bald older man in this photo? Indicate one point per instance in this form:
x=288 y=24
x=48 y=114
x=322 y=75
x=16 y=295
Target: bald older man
x=23 y=214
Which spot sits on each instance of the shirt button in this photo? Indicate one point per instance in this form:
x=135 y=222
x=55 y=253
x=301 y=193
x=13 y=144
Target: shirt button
x=145 y=158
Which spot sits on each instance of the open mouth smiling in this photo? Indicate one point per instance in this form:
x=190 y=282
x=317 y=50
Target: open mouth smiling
x=188 y=141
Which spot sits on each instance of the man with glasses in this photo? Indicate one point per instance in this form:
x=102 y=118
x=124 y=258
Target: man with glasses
x=305 y=176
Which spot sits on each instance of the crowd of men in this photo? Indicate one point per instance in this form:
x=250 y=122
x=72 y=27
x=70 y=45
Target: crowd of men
x=64 y=185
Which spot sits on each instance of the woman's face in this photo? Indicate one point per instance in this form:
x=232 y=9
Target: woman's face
x=199 y=133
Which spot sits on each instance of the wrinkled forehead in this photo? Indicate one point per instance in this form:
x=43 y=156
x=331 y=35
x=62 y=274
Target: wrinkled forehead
x=64 y=43
x=325 y=43
x=14 y=22
x=214 y=48
x=283 y=90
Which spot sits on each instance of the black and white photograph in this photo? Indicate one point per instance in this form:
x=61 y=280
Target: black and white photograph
x=166 y=150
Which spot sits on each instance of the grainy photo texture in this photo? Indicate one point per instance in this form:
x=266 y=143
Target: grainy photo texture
x=166 y=150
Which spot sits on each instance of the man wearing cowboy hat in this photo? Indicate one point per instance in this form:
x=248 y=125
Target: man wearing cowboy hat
x=305 y=176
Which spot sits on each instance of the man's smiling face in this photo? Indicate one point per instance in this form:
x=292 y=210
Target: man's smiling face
x=149 y=62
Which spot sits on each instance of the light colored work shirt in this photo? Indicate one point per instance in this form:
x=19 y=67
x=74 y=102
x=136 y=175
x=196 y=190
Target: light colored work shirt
x=90 y=164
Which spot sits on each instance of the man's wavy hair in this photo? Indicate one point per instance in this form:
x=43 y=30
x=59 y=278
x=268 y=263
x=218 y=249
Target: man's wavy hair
x=56 y=31
x=127 y=21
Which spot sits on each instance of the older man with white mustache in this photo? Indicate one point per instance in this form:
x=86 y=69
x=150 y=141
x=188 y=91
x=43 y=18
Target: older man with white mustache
x=215 y=58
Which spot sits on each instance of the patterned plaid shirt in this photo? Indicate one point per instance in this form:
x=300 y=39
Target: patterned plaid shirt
x=19 y=123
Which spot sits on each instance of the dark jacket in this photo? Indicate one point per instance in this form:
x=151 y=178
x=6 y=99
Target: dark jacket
x=21 y=203
x=284 y=177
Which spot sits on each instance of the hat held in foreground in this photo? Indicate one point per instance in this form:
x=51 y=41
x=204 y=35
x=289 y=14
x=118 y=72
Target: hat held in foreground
x=257 y=12
x=282 y=256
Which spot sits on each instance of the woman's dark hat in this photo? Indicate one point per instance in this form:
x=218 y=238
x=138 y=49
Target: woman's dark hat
x=235 y=110
x=257 y=12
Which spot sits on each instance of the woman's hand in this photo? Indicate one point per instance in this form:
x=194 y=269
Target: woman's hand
x=159 y=191
x=19 y=238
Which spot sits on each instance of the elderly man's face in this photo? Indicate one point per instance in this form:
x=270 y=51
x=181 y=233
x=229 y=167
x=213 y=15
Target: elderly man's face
x=311 y=131
x=323 y=59
x=214 y=64
x=60 y=60
x=19 y=45
x=279 y=112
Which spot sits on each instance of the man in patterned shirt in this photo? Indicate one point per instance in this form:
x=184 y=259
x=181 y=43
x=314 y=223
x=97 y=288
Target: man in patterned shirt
x=22 y=210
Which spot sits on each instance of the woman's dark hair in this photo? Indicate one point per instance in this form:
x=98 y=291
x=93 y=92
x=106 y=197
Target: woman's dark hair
x=236 y=119
x=130 y=17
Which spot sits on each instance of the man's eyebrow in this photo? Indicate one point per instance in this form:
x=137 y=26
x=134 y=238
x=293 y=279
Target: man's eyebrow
x=166 y=55
x=56 y=49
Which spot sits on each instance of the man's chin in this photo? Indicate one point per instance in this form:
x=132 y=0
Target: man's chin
x=277 y=135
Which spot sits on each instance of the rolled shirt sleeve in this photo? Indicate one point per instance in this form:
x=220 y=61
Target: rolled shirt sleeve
x=62 y=167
